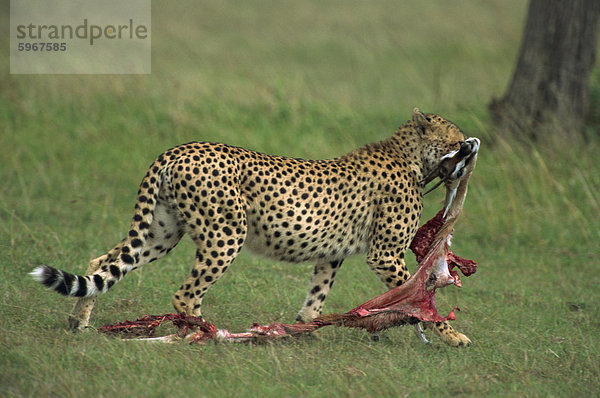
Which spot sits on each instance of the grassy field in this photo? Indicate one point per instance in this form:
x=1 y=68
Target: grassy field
x=306 y=80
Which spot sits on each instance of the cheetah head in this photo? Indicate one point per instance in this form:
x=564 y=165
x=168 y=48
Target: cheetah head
x=447 y=153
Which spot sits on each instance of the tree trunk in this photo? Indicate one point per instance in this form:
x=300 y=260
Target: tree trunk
x=548 y=93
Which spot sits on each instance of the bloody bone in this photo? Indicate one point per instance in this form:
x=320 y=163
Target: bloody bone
x=411 y=302
x=146 y=326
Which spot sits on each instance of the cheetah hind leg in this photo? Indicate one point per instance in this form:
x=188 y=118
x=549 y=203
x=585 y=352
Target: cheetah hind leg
x=210 y=265
x=80 y=316
x=188 y=299
x=165 y=233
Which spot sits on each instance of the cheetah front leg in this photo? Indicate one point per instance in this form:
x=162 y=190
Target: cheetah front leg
x=394 y=273
x=209 y=266
x=320 y=284
x=447 y=333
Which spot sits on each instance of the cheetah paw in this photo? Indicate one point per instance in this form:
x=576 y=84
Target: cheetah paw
x=76 y=325
x=456 y=339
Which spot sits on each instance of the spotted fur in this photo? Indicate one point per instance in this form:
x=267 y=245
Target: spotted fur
x=367 y=201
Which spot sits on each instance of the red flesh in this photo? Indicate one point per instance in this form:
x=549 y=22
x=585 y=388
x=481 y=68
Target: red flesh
x=425 y=236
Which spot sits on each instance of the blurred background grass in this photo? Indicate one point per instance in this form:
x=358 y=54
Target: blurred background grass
x=306 y=80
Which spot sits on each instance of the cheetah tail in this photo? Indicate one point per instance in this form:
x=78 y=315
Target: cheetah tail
x=68 y=284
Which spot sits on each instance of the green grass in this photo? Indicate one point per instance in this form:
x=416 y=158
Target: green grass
x=305 y=80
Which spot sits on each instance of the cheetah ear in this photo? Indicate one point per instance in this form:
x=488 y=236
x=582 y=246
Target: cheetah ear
x=420 y=118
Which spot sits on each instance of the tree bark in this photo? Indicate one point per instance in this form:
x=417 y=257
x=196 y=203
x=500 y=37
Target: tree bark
x=548 y=93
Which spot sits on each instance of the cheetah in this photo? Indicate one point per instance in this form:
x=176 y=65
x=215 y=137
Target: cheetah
x=224 y=197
